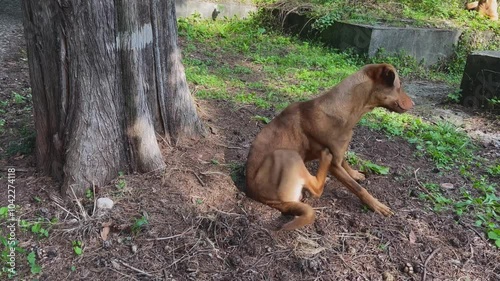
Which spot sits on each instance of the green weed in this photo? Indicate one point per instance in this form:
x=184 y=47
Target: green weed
x=365 y=166
x=122 y=183
x=140 y=224
x=34 y=267
x=77 y=247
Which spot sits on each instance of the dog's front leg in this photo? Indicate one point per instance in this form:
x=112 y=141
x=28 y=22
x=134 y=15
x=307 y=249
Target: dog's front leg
x=357 y=175
x=341 y=174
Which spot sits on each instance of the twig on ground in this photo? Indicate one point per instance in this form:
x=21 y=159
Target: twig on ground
x=170 y=237
x=475 y=231
x=424 y=273
x=229 y=147
x=198 y=178
x=68 y=212
x=135 y=269
x=95 y=198
x=128 y=276
x=194 y=173
x=352 y=268
x=225 y=213
x=82 y=210
x=421 y=185
x=213 y=173
x=471 y=256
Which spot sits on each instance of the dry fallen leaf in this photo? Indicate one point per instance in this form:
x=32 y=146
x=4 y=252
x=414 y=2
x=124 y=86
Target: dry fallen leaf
x=105 y=231
x=412 y=237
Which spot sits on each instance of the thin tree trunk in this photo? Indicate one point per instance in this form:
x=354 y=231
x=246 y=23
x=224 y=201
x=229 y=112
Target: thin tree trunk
x=105 y=74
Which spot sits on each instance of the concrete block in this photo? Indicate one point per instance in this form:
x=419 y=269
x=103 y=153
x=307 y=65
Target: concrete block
x=427 y=44
x=481 y=80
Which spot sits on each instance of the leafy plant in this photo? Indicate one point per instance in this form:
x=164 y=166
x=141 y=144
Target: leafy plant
x=37 y=228
x=4 y=213
x=494 y=170
x=495 y=236
x=455 y=96
x=140 y=224
x=121 y=184
x=89 y=194
x=34 y=267
x=77 y=247
x=262 y=119
x=17 y=98
x=366 y=165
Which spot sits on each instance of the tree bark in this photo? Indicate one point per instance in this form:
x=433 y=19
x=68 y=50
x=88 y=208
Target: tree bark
x=106 y=76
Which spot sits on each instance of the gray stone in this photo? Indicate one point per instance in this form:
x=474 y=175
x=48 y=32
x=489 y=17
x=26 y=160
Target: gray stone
x=424 y=44
x=481 y=79
x=104 y=203
x=207 y=9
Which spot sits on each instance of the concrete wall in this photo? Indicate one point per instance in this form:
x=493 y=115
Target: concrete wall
x=207 y=9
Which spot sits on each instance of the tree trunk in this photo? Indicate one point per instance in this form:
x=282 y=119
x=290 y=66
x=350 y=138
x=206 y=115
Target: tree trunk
x=105 y=76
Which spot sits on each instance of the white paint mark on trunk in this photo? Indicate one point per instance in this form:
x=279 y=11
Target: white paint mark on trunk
x=136 y=39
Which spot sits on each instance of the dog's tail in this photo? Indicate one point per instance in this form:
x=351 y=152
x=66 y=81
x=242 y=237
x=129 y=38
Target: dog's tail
x=304 y=214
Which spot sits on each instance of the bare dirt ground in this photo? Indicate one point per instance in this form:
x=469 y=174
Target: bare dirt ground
x=201 y=227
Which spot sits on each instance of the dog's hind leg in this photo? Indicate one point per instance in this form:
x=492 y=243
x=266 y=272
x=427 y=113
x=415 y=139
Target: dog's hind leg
x=316 y=184
x=304 y=214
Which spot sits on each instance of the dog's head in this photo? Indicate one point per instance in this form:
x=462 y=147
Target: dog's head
x=387 y=91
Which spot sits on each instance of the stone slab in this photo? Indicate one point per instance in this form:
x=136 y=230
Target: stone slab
x=424 y=44
x=481 y=79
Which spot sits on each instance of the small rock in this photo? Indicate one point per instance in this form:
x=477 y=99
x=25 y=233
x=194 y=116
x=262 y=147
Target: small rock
x=386 y=276
x=134 y=249
x=107 y=244
x=104 y=203
x=447 y=185
x=408 y=268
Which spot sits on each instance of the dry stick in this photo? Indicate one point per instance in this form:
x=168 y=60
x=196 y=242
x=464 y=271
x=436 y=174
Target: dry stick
x=475 y=231
x=213 y=173
x=225 y=213
x=198 y=177
x=424 y=274
x=128 y=276
x=422 y=186
x=69 y=213
x=95 y=198
x=170 y=237
x=229 y=147
x=136 y=269
x=84 y=214
x=194 y=173
x=471 y=256
x=352 y=268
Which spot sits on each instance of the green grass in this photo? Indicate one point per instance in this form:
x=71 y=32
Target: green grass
x=242 y=62
x=239 y=61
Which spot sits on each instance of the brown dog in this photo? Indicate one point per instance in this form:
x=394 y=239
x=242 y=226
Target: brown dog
x=485 y=7
x=319 y=128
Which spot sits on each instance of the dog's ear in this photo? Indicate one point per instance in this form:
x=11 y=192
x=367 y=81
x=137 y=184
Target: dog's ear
x=388 y=75
x=383 y=74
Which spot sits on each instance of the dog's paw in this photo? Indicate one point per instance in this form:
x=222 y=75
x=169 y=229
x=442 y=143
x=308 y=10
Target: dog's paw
x=357 y=176
x=382 y=209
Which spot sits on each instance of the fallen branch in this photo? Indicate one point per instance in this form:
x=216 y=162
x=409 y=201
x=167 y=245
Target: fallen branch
x=135 y=269
x=82 y=210
x=69 y=213
x=424 y=273
x=170 y=237
x=422 y=186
